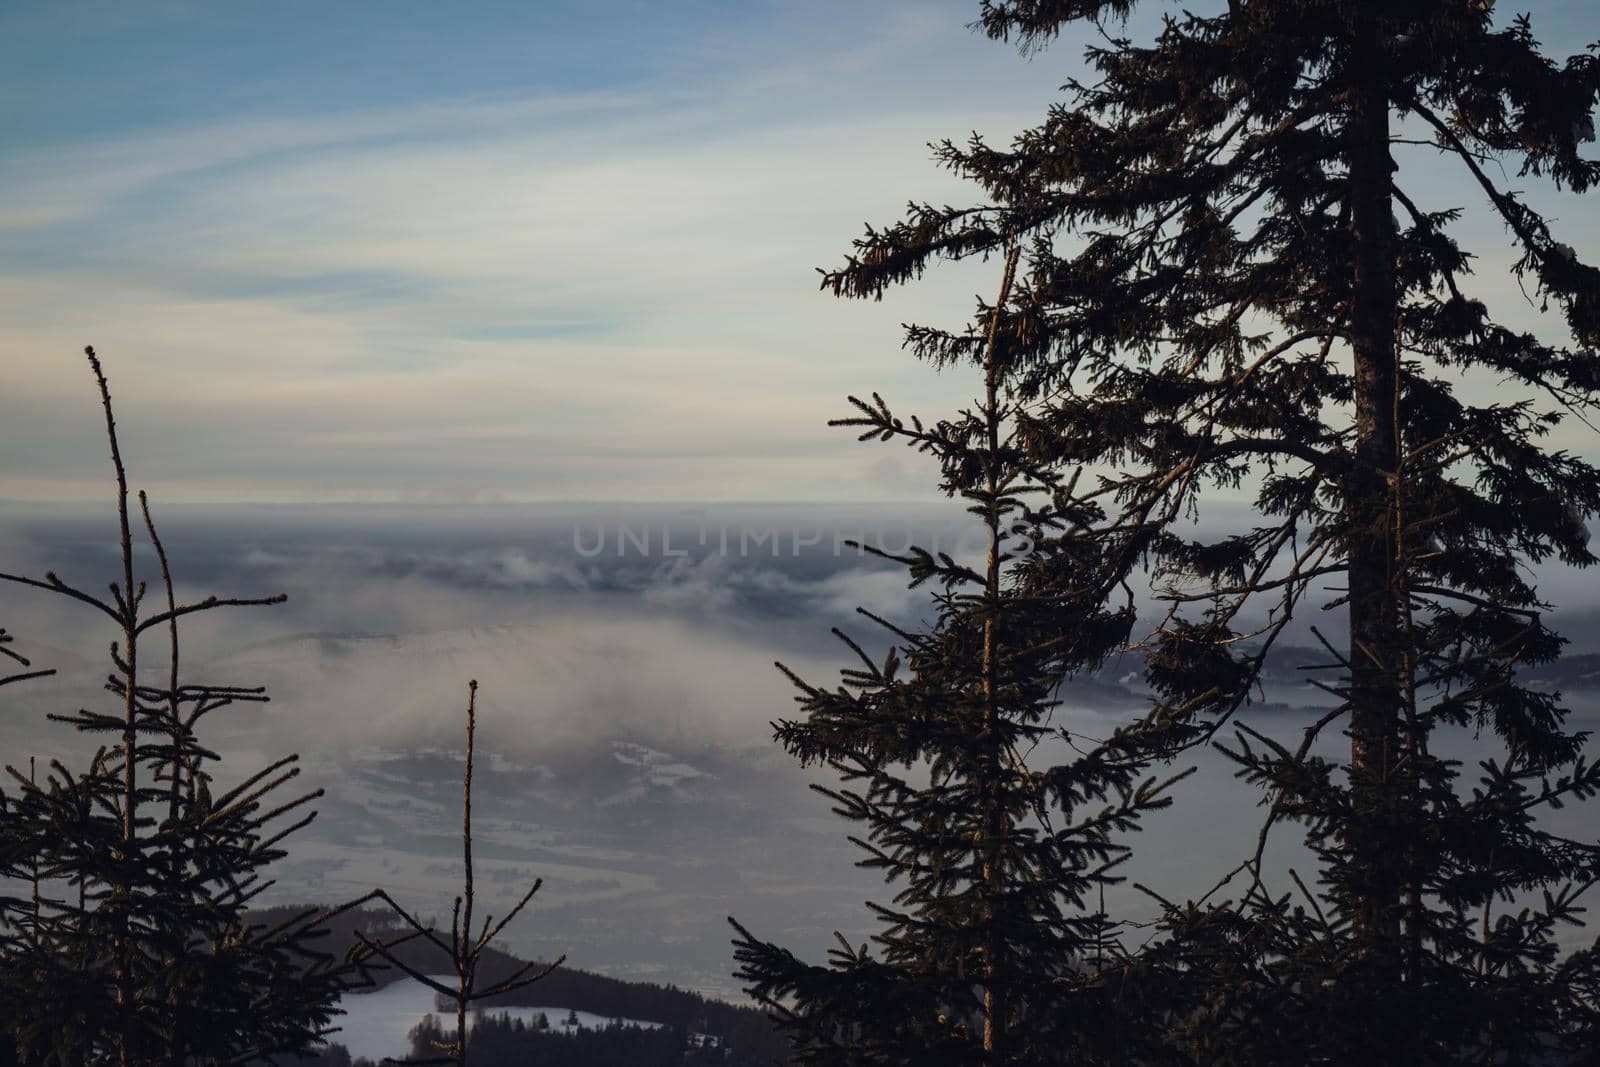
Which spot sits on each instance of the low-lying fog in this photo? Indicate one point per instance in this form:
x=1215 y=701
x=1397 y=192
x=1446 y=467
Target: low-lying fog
x=627 y=686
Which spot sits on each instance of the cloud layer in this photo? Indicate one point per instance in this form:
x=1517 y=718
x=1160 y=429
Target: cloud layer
x=545 y=289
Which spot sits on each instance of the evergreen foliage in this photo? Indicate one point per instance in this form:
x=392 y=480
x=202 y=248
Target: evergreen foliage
x=565 y=987
x=27 y=672
x=560 y=995
x=1236 y=279
x=501 y=1042
x=994 y=947
x=133 y=945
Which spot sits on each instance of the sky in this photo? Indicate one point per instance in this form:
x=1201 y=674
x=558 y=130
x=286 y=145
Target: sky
x=468 y=252
x=491 y=252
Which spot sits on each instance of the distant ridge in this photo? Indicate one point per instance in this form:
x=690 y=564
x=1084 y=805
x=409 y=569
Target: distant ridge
x=742 y=1030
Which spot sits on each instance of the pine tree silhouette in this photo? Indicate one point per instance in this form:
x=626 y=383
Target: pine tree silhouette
x=464 y=950
x=27 y=672
x=1236 y=278
x=134 y=945
x=995 y=947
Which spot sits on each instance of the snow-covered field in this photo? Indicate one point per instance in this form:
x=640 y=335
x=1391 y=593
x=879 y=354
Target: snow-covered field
x=377 y=1024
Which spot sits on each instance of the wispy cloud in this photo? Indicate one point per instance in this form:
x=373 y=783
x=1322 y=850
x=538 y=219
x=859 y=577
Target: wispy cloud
x=501 y=287
x=566 y=293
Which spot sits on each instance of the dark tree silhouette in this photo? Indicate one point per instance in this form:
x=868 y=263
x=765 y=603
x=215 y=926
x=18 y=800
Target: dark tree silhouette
x=134 y=945
x=464 y=950
x=27 y=672
x=1237 y=278
x=995 y=947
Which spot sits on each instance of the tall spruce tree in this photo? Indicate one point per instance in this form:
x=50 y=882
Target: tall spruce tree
x=1239 y=277
x=994 y=948
x=133 y=944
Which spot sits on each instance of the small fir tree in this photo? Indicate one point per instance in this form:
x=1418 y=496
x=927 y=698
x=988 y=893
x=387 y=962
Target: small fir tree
x=464 y=949
x=994 y=948
x=134 y=946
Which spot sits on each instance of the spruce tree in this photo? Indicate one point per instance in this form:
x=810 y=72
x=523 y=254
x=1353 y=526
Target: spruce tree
x=1239 y=278
x=999 y=841
x=134 y=944
x=463 y=949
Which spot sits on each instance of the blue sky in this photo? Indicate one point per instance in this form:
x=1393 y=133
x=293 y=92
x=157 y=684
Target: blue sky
x=431 y=252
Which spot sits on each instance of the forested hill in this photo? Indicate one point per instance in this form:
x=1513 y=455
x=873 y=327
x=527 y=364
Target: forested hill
x=746 y=1030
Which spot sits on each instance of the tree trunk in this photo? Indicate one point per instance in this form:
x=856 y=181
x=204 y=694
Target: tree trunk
x=1375 y=637
x=995 y=826
x=466 y=956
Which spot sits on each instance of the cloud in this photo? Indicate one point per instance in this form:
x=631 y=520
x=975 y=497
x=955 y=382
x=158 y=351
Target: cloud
x=523 y=292
x=593 y=293
x=625 y=704
x=87 y=180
